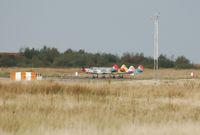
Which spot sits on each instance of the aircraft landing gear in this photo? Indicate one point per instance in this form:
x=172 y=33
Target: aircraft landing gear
x=120 y=76
x=95 y=76
x=113 y=77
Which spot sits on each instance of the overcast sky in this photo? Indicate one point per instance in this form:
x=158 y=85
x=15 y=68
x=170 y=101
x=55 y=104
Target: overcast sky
x=112 y=26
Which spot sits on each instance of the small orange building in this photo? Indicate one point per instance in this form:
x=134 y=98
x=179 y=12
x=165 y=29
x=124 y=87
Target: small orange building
x=25 y=76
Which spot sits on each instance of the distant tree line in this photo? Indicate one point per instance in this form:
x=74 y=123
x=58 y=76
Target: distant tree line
x=51 y=57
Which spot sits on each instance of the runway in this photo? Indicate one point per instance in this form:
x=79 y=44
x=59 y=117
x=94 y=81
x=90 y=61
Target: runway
x=88 y=79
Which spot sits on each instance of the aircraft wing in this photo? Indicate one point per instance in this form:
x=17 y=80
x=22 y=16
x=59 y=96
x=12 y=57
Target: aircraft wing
x=98 y=70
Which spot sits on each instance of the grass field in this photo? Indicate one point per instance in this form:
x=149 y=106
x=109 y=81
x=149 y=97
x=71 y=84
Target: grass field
x=139 y=107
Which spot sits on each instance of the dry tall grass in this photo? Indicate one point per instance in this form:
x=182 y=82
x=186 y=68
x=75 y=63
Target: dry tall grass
x=100 y=108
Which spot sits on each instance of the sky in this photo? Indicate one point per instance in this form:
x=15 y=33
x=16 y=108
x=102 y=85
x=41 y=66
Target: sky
x=111 y=26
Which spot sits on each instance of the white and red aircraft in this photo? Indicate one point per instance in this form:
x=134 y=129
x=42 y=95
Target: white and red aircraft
x=113 y=71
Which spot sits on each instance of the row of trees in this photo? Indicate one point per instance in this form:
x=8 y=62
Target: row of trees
x=51 y=57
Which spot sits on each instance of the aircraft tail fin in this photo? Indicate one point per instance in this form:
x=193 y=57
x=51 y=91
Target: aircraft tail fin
x=140 y=69
x=131 y=70
x=115 y=68
x=124 y=68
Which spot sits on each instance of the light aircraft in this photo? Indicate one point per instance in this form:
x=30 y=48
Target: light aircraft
x=113 y=71
x=101 y=70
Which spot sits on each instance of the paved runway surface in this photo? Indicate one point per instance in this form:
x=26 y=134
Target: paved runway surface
x=134 y=81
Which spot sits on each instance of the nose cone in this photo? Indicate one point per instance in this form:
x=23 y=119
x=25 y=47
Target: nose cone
x=83 y=69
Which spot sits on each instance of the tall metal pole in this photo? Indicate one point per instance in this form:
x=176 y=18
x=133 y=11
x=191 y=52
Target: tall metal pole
x=156 y=44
